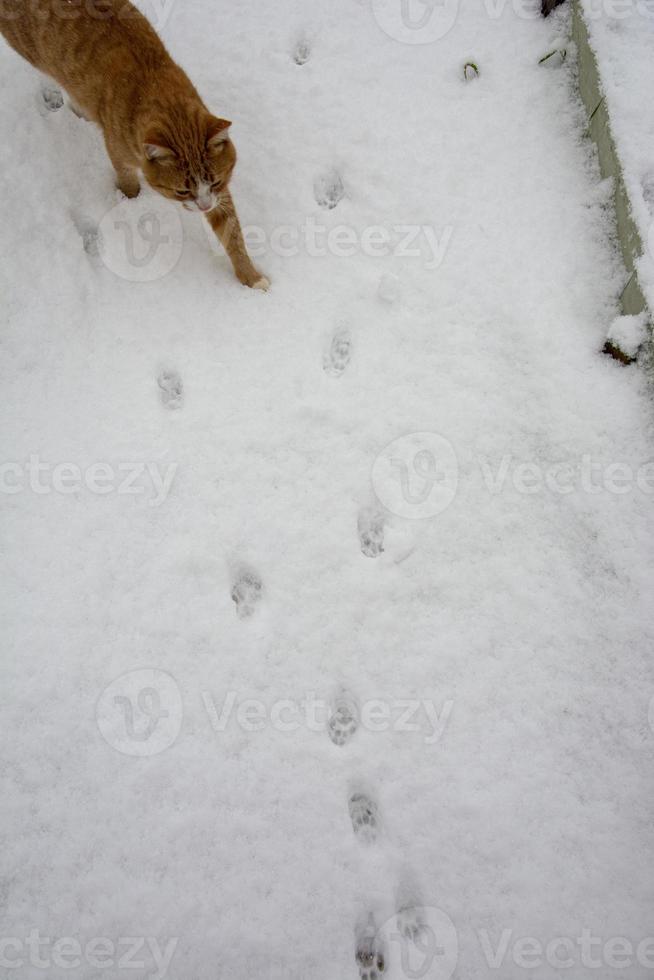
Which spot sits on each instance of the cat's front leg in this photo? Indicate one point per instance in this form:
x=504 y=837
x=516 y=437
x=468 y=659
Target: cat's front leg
x=224 y=221
x=127 y=177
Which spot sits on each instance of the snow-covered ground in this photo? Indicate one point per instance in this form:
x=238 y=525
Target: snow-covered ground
x=622 y=35
x=166 y=769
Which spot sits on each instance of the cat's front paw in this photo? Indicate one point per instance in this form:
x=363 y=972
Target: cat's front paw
x=130 y=189
x=253 y=279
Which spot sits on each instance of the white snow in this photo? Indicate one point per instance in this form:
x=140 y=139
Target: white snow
x=628 y=333
x=163 y=774
x=621 y=33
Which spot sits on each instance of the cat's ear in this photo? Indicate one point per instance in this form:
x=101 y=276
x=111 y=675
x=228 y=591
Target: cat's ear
x=217 y=131
x=156 y=147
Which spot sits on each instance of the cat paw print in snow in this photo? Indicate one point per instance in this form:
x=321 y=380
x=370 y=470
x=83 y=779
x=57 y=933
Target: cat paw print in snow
x=302 y=52
x=246 y=593
x=420 y=941
x=89 y=234
x=364 y=817
x=370 y=951
x=338 y=356
x=343 y=719
x=52 y=98
x=370 y=526
x=328 y=190
x=91 y=242
x=411 y=923
x=171 y=389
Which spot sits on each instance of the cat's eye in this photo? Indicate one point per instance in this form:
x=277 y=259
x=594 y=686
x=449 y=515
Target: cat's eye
x=183 y=193
x=216 y=186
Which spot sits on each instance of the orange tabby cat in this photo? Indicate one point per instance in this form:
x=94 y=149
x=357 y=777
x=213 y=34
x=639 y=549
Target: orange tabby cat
x=115 y=69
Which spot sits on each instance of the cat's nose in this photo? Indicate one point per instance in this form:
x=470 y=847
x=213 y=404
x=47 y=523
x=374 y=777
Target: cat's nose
x=203 y=204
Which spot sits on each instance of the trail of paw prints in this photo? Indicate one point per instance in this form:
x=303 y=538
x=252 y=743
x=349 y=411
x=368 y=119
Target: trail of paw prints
x=328 y=189
x=337 y=357
x=343 y=719
x=247 y=591
x=370 y=951
x=364 y=815
x=370 y=526
x=171 y=389
x=51 y=98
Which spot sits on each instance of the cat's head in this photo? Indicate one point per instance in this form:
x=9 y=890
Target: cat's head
x=188 y=157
